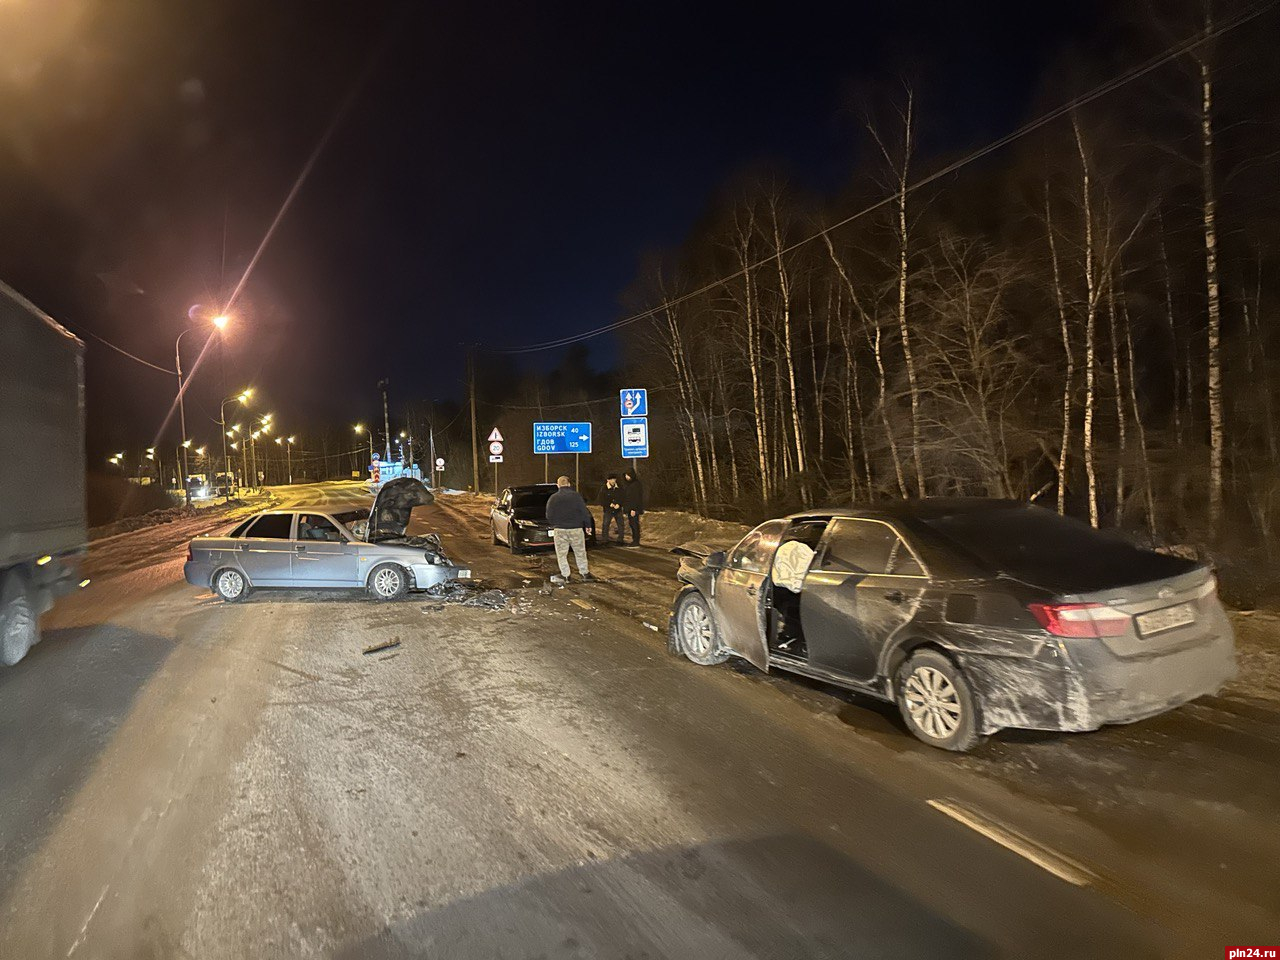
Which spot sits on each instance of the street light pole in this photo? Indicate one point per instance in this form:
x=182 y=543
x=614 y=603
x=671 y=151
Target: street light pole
x=243 y=396
x=182 y=413
x=218 y=323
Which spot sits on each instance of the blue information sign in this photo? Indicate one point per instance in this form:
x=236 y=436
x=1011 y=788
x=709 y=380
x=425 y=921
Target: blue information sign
x=562 y=438
x=635 y=403
x=635 y=437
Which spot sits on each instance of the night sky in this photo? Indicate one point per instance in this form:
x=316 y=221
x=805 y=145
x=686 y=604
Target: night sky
x=498 y=175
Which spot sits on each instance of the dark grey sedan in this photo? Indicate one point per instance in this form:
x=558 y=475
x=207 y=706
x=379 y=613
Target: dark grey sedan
x=972 y=615
x=316 y=548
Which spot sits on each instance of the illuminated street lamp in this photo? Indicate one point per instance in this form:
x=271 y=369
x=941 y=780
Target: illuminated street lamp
x=359 y=428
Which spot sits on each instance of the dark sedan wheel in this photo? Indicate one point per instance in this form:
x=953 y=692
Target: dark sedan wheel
x=230 y=585
x=937 y=702
x=513 y=541
x=696 y=631
x=388 y=581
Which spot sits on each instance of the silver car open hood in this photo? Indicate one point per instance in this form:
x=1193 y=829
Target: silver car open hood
x=395 y=502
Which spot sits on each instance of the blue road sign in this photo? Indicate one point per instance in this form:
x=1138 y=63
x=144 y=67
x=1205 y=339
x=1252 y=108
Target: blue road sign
x=635 y=403
x=635 y=437
x=562 y=437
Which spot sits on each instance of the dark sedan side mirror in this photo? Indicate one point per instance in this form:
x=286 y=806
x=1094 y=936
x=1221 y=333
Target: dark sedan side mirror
x=716 y=559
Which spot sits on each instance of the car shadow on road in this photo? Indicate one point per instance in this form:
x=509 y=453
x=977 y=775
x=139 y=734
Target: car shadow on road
x=59 y=709
x=777 y=896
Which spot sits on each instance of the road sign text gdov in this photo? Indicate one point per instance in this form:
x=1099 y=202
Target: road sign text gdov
x=561 y=437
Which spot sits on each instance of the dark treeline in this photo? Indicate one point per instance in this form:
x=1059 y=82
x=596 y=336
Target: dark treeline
x=1085 y=317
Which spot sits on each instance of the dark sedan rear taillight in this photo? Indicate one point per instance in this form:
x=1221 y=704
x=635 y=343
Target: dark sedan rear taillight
x=1080 y=619
x=190 y=555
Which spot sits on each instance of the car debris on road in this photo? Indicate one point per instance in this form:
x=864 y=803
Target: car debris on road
x=467 y=593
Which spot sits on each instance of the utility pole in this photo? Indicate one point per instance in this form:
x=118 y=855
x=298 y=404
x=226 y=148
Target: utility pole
x=475 y=441
x=431 y=435
x=386 y=417
x=182 y=418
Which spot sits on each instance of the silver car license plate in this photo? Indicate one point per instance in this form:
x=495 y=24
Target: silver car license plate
x=1158 y=621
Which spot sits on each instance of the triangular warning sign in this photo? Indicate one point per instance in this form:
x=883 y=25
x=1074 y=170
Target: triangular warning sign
x=495 y=436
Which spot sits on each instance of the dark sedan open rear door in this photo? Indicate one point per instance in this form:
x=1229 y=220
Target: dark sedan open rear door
x=741 y=590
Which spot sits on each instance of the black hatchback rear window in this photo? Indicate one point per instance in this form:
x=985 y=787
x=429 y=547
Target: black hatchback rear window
x=1058 y=553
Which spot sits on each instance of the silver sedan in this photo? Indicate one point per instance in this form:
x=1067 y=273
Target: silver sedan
x=314 y=548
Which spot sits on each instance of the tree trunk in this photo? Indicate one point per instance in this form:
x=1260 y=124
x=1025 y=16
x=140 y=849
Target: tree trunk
x=788 y=348
x=1175 y=343
x=1142 y=430
x=874 y=336
x=904 y=328
x=1121 y=434
x=754 y=351
x=1216 y=430
x=1070 y=374
x=1090 y=328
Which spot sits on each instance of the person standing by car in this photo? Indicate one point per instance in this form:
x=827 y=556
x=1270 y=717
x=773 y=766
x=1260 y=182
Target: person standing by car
x=633 y=503
x=611 y=501
x=568 y=517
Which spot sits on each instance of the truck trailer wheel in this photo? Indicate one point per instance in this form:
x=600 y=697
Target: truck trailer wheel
x=19 y=623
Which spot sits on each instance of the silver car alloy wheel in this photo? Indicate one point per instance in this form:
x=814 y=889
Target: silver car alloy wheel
x=230 y=584
x=695 y=629
x=933 y=702
x=386 y=582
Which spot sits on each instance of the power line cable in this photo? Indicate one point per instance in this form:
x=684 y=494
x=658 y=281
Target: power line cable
x=1108 y=86
x=145 y=363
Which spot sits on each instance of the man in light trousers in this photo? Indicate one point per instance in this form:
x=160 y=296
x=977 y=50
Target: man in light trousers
x=568 y=516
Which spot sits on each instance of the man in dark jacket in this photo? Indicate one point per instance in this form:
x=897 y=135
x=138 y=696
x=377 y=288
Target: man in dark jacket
x=633 y=503
x=611 y=501
x=568 y=516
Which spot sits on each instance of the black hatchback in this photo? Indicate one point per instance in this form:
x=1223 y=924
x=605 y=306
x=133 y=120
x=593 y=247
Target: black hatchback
x=972 y=615
x=519 y=518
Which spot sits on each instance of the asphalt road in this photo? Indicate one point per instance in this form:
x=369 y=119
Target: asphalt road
x=184 y=778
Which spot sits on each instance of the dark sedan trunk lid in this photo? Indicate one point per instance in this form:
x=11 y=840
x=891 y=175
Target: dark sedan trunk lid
x=1164 y=614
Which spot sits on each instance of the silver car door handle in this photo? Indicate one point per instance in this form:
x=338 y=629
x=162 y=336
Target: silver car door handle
x=751 y=591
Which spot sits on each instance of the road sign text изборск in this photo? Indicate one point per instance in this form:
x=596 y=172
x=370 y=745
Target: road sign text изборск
x=561 y=437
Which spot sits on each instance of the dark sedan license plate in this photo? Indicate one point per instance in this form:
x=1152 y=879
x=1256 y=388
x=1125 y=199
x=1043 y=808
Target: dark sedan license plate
x=1158 y=621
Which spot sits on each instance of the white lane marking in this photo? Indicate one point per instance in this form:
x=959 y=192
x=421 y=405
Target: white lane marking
x=88 y=920
x=1055 y=863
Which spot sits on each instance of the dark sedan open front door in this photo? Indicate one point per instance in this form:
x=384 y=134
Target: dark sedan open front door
x=865 y=585
x=741 y=590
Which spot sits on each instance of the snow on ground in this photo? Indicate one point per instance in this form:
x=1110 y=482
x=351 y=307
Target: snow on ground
x=208 y=514
x=1258 y=653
